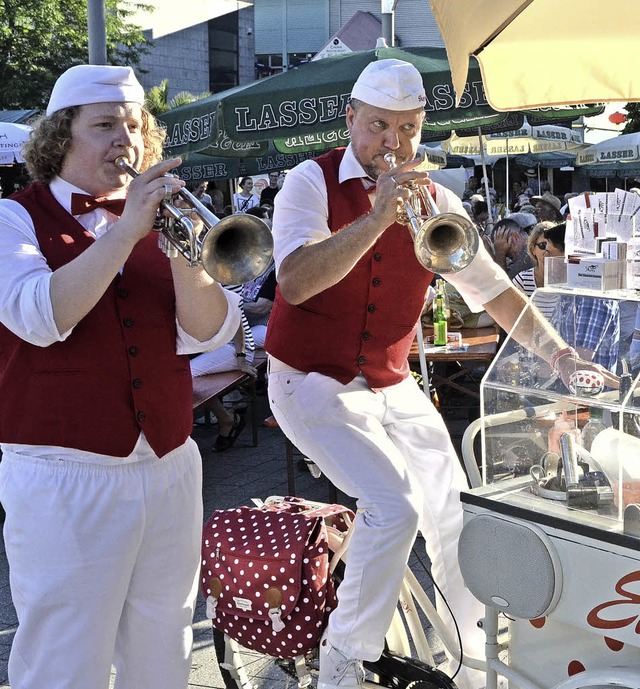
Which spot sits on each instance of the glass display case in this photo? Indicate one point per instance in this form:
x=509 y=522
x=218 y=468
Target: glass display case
x=572 y=449
x=551 y=538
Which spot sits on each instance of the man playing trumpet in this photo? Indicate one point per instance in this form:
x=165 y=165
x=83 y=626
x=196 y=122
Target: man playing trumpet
x=350 y=293
x=99 y=478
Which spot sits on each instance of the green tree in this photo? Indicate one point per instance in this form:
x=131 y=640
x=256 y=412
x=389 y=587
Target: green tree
x=40 y=39
x=633 y=118
x=157 y=101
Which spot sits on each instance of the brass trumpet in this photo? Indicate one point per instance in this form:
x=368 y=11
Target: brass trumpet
x=443 y=242
x=232 y=251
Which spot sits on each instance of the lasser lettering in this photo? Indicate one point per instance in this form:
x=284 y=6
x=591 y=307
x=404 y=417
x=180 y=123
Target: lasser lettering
x=617 y=155
x=310 y=111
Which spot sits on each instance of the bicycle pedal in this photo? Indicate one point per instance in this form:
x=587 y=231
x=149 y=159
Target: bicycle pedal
x=402 y=672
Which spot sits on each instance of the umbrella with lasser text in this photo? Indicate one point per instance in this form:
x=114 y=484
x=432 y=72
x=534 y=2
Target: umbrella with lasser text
x=619 y=156
x=304 y=108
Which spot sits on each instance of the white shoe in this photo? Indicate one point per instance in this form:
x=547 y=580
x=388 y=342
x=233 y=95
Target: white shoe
x=337 y=671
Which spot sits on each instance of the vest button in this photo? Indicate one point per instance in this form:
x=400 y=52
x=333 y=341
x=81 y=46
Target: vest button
x=371 y=308
x=376 y=282
x=366 y=335
x=377 y=256
x=361 y=360
x=123 y=293
x=128 y=322
x=133 y=350
x=137 y=383
x=140 y=416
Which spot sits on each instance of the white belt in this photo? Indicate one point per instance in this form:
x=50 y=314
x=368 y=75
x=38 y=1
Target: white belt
x=276 y=366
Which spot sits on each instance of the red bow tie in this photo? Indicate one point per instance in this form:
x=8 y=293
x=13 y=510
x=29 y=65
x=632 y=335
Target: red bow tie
x=83 y=203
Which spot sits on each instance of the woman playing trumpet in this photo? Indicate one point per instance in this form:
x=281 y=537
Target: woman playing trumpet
x=99 y=478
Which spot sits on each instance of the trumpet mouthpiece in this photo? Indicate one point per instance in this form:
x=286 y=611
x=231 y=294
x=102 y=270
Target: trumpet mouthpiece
x=390 y=159
x=122 y=162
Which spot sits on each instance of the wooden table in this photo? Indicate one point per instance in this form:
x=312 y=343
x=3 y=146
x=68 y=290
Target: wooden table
x=479 y=347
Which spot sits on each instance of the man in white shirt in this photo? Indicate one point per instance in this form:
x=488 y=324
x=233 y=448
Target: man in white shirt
x=350 y=293
x=99 y=478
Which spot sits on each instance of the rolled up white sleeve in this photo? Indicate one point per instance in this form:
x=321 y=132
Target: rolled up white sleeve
x=296 y=224
x=25 y=277
x=186 y=344
x=481 y=281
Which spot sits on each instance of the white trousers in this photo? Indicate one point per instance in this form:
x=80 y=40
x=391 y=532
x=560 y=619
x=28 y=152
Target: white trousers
x=390 y=450
x=103 y=564
x=224 y=358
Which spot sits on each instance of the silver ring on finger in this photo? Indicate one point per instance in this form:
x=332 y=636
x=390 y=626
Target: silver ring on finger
x=395 y=181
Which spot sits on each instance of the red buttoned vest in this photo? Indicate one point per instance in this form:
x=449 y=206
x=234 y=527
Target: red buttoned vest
x=367 y=321
x=117 y=373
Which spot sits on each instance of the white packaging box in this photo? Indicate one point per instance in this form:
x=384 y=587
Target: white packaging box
x=614 y=250
x=596 y=273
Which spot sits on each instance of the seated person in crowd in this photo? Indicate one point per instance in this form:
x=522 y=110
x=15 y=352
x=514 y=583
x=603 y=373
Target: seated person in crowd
x=547 y=207
x=528 y=280
x=200 y=192
x=262 y=212
x=471 y=188
x=479 y=213
x=217 y=203
x=257 y=299
x=236 y=355
x=510 y=237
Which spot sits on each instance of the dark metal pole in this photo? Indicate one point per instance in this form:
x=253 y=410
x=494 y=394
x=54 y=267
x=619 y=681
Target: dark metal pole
x=97 y=31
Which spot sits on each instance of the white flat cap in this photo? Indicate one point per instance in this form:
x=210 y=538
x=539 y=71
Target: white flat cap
x=390 y=84
x=84 y=84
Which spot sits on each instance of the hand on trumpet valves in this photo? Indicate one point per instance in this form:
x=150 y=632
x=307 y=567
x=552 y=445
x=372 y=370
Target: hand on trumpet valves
x=393 y=188
x=390 y=195
x=193 y=215
x=146 y=191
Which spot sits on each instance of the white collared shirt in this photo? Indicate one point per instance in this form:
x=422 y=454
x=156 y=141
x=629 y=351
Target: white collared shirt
x=301 y=212
x=25 y=303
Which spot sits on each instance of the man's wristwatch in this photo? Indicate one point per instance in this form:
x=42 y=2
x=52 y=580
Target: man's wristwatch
x=243 y=354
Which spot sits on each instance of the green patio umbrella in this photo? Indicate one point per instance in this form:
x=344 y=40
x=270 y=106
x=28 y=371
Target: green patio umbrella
x=196 y=166
x=304 y=108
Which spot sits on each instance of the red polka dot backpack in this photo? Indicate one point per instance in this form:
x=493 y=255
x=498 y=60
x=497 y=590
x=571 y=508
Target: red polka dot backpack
x=266 y=573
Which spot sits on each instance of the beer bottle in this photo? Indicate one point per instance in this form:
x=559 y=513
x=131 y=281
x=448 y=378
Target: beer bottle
x=440 y=316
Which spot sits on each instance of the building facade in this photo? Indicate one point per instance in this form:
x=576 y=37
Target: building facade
x=272 y=35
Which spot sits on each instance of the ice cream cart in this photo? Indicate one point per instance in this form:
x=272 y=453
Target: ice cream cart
x=551 y=540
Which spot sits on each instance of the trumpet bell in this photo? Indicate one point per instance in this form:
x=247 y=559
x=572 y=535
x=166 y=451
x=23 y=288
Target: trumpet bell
x=446 y=243
x=237 y=249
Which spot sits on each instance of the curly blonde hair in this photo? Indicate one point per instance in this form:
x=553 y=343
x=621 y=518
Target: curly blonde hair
x=50 y=141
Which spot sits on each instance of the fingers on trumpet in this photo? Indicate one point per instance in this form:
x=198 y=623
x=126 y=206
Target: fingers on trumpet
x=404 y=175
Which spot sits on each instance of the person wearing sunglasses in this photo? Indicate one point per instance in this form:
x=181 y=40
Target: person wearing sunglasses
x=528 y=280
